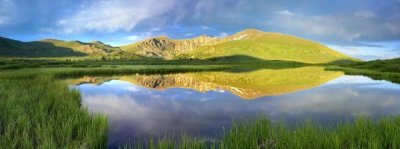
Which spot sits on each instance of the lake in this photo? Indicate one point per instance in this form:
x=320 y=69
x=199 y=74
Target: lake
x=203 y=104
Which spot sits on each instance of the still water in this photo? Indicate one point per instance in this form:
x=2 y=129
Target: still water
x=203 y=104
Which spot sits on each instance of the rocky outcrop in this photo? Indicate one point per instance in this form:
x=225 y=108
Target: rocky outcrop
x=164 y=47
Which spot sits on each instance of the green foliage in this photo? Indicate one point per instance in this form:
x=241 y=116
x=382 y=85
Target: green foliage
x=390 y=65
x=231 y=60
x=377 y=69
x=40 y=112
x=262 y=134
x=14 y=48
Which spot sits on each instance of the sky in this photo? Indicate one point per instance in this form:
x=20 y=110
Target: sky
x=366 y=29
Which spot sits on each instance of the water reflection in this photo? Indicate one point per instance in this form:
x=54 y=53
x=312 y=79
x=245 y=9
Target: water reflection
x=247 y=85
x=175 y=106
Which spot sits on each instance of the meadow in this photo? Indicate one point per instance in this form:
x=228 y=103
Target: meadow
x=38 y=110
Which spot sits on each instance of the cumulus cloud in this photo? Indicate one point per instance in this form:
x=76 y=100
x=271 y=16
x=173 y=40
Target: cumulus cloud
x=353 y=26
x=7 y=12
x=284 y=12
x=222 y=35
x=137 y=37
x=341 y=22
x=112 y=15
x=366 y=52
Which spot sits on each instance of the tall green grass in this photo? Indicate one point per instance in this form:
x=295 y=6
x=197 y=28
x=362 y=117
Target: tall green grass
x=37 y=110
x=40 y=112
x=263 y=134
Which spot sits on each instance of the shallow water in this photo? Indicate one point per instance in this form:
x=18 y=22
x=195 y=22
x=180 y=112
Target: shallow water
x=203 y=104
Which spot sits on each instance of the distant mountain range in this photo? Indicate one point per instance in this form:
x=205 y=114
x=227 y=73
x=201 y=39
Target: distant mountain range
x=250 y=43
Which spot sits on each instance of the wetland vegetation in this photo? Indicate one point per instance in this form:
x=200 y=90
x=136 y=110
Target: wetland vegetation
x=39 y=111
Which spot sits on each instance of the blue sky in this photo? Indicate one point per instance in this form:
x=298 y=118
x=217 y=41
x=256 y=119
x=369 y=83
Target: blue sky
x=367 y=29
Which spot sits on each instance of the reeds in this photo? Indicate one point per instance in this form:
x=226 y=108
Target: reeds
x=40 y=112
x=263 y=134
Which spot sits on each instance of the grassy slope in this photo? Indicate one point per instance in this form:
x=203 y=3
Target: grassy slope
x=53 y=48
x=14 y=48
x=258 y=44
x=250 y=42
x=271 y=46
x=80 y=46
x=390 y=65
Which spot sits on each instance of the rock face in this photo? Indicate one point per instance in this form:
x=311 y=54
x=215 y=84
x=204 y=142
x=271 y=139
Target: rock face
x=164 y=47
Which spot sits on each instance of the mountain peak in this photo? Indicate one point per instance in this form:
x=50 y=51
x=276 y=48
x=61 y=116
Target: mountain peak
x=96 y=42
x=252 y=31
x=50 y=40
x=162 y=37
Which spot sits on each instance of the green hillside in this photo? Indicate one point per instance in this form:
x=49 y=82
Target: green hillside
x=52 y=48
x=248 y=43
x=14 y=48
x=389 y=65
x=268 y=46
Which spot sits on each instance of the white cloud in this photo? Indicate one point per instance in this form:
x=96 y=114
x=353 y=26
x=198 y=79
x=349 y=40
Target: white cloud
x=352 y=26
x=366 y=52
x=203 y=27
x=133 y=37
x=112 y=15
x=139 y=36
x=222 y=35
x=284 y=12
x=6 y=11
x=365 y=14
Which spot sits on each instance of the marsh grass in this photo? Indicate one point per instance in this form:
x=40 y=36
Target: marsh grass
x=263 y=134
x=37 y=110
x=40 y=112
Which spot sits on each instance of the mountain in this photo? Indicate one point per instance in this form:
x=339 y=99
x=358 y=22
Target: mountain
x=250 y=42
x=53 y=48
x=164 y=47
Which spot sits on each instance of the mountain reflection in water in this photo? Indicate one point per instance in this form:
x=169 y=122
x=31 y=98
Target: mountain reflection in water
x=247 y=85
